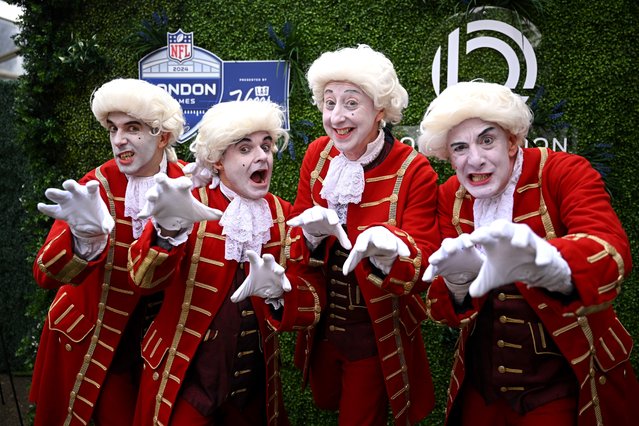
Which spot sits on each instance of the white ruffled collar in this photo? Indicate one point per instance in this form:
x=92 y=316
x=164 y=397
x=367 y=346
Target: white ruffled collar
x=246 y=224
x=487 y=210
x=344 y=182
x=135 y=197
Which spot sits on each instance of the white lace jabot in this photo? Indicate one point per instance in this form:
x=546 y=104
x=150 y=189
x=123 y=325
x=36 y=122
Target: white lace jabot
x=487 y=210
x=134 y=197
x=246 y=224
x=344 y=182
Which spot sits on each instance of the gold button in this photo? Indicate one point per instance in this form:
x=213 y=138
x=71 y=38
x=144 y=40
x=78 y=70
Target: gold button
x=239 y=354
x=156 y=375
x=393 y=198
x=180 y=327
x=401 y=172
x=324 y=154
x=101 y=306
x=158 y=398
x=503 y=389
x=195 y=259
x=108 y=266
x=243 y=333
x=602 y=380
x=334 y=268
x=200 y=232
x=417 y=262
x=331 y=327
x=543 y=210
x=392 y=222
x=79 y=376
x=67 y=347
x=503 y=319
x=455 y=221
x=333 y=281
x=332 y=305
x=73 y=394
x=236 y=374
x=501 y=297
x=314 y=174
x=501 y=369
x=105 y=286
x=500 y=343
x=94 y=339
x=551 y=235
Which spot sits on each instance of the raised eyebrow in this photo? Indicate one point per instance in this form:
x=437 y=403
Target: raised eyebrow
x=267 y=138
x=486 y=130
x=128 y=123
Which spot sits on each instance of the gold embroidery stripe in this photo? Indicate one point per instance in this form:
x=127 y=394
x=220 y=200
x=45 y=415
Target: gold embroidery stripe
x=390 y=376
x=401 y=391
x=527 y=187
x=123 y=222
x=155 y=348
x=93 y=382
x=565 y=328
x=200 y=310
x=375 y=203
x=597 y=256
x=150 y=340
x=577 y=360
x=603 y=345
x=390 y=355
x=104 y=345
x=388 y=336
x=192 y=332
x=120 y=268
x=121 y=244
x=211 y=262
x=375 y=280
x=121 y=199
x=525 y=216
x=54 y=259
x=381 y=298
x=175 y=379
x=216 y=236
x=111 y=329
x=384 y=318
x=117 y=311
x=102 y=366
x=121 y=290
x=79 y=418
x=379 y=178
x=72 y=326
x=205 y=286
x=64 y=314
x=183 y=356
x=614 y=335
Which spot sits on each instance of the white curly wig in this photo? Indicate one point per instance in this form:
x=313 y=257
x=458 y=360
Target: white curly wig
x=368 y=69
x=227 y=123
x=145 y=101
x=474 y=99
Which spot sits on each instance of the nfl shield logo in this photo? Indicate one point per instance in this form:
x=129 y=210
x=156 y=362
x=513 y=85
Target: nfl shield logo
x=180 y=45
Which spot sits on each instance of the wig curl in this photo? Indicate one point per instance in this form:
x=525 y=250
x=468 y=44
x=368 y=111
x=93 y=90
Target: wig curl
x=368 y=69
x=146 y=102
x=226 y=123
x=474 y=99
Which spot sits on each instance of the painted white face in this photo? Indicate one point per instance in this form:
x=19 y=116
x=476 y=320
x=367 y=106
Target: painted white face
x=246 y=166
x=136 y=151
x=350 y=118
x=482 y=155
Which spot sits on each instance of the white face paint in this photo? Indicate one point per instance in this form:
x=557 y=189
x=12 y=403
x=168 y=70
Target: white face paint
x=483 y=156
x=246 y=166
x=350 y=118
x=136 y=151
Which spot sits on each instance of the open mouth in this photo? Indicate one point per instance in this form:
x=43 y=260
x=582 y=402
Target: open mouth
x=259 y=176
x=125 y=155
x=343 y=132
x=479 y=178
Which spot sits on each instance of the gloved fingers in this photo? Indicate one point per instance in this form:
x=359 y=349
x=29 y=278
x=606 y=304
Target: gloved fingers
x=72 y=186
x=331 y=216
x=161 y=178
x=213 y=214
x=482 y=236
x=545 y=253
x=242 y=292
x=253 y=258
x=92 y=187
x=402 y=248
x=183 y=183
x=296 y=221
x=465 y=241
x=477 y=288
x=57 y=195
x=449 y=246
x=152 y=194
x=354 y=257
x=50 y=210
x=269 y=261
x=342 y=237
x=202 y=212
x=430 y=273
x=286 y=284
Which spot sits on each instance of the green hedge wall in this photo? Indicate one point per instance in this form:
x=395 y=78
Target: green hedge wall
x=587 y=67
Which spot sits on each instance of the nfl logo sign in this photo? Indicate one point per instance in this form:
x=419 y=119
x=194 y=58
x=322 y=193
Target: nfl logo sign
x=180 y=45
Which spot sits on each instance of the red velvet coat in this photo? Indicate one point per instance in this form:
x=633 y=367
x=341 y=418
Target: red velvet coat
x=562 y=198
x=196 y=279
x=89 y=312
x=400 y=194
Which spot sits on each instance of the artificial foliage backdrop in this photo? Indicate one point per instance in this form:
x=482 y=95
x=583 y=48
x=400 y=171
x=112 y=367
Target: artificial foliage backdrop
x=586 y=92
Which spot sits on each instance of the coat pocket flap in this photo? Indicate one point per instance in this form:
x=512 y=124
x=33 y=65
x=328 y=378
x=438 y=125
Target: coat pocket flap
x=412 y=313
x=153 y=347
x=612 y=346
x=65 y=317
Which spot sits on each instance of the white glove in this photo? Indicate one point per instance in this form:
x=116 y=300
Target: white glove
x=200 y=175
x=266 y=279
x=515 y=253
x=173 y=206
x=318 y=223
x=380 y=245
x=81 y=207
x=458 y=261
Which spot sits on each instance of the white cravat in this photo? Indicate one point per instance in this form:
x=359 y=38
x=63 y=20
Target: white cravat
x=487 y=210
x=344 y=182
x=135 y=197
x=246 y=224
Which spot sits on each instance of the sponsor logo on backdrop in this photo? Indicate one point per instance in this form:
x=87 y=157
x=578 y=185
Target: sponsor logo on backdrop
x=199 y=79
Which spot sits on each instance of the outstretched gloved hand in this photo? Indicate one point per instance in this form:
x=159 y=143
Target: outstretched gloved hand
x=81 y=207
x=515 y=253
x=266 y=279
x=458 y=261
x=200 y=175
x=173 y=206
x=318 y=223
x=380 y=245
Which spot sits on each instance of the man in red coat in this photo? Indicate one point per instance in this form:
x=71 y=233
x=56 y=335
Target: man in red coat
x=532 y=259
x=88 y=360
x=365 y=228
x=209 y=360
